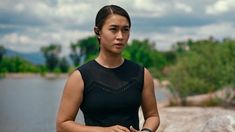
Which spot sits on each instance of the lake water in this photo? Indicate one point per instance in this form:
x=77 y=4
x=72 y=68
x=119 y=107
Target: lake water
x=31 y=104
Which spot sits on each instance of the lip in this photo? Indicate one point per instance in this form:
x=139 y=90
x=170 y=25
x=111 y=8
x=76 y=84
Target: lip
x=119 y=44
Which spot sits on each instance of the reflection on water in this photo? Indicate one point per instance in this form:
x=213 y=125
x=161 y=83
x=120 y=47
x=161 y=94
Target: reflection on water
x=31 y=104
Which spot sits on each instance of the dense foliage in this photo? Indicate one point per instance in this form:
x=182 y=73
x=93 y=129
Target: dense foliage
x=203 y=66
x=16 y=65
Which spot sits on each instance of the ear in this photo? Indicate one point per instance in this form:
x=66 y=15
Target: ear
x=97 y=31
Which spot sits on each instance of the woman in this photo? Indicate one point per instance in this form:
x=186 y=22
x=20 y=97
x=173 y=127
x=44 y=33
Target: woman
x=110 y=89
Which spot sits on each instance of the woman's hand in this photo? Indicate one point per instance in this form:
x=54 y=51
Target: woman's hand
x=116 y=128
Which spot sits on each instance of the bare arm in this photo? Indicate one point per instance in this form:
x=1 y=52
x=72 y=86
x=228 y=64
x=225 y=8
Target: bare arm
x=149 y=104
x=69 y=106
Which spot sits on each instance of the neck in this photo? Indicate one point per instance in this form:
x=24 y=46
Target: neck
x=109 y=61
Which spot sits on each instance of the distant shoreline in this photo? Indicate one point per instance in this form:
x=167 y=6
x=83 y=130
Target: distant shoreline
x=36 y=75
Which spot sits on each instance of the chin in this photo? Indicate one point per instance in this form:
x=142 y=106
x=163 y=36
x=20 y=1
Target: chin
x=117 y=51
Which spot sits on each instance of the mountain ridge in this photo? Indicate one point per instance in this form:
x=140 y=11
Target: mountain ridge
x=33 y=57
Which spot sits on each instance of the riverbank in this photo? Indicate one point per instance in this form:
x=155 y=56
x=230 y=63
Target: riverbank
x=197 y=116
x=35 y=75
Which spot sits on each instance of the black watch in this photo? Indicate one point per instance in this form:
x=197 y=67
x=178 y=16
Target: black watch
x=146 y=129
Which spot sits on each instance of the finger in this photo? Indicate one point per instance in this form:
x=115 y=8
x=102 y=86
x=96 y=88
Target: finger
x=123 y=128
x=133 y=129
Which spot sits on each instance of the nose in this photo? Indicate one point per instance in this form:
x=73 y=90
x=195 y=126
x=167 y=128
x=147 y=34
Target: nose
x=119 y=35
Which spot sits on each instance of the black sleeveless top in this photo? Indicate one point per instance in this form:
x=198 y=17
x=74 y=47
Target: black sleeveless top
x=112 y=96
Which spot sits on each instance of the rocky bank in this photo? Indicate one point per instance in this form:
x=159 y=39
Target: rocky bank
x=196 y=119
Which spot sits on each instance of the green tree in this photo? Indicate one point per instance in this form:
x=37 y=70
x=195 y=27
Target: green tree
x=75 y=53
x=140 y=52
x=51 y=54
x=227 y=60
x=84 y=50
x=16 y=65
x=145 y=53
x=64 y=65
x=89 y=48
x=170 y=57
x=2 y=52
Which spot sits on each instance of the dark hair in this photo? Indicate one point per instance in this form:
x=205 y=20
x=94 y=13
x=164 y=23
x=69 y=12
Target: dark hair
x=107 y=10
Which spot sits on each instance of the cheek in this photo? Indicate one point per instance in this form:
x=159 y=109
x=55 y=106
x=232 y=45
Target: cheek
x=127 y=37
x=105 y=40
x=108 y=36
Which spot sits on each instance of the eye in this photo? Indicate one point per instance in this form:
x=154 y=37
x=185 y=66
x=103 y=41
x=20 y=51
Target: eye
x=126 y=30
x=113 y=29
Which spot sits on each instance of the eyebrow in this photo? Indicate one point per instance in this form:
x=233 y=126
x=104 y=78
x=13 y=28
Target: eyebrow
x=118 y=26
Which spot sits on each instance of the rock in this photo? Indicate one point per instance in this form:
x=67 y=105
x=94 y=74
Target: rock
x=157 y=83
x=221 y=123
x=225 y=95
x=165 y=83
x=161 y=84
x=195 y=119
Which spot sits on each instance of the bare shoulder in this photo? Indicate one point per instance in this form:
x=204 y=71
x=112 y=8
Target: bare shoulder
x=75 y=81
x=147 y=76
x=75 y=75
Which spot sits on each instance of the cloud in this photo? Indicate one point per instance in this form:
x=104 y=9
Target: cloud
x=184 y=7
x=29 y=25
x=163 y=24
x=151 y=8
x=15 y=38
x=165 y=40
x=33 y=42
x=141 y=8
x=220 y=6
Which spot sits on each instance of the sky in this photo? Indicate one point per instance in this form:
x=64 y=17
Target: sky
x=27 y=25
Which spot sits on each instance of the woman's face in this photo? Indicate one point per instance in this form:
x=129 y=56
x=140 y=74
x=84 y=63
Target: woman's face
x=114 y=34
